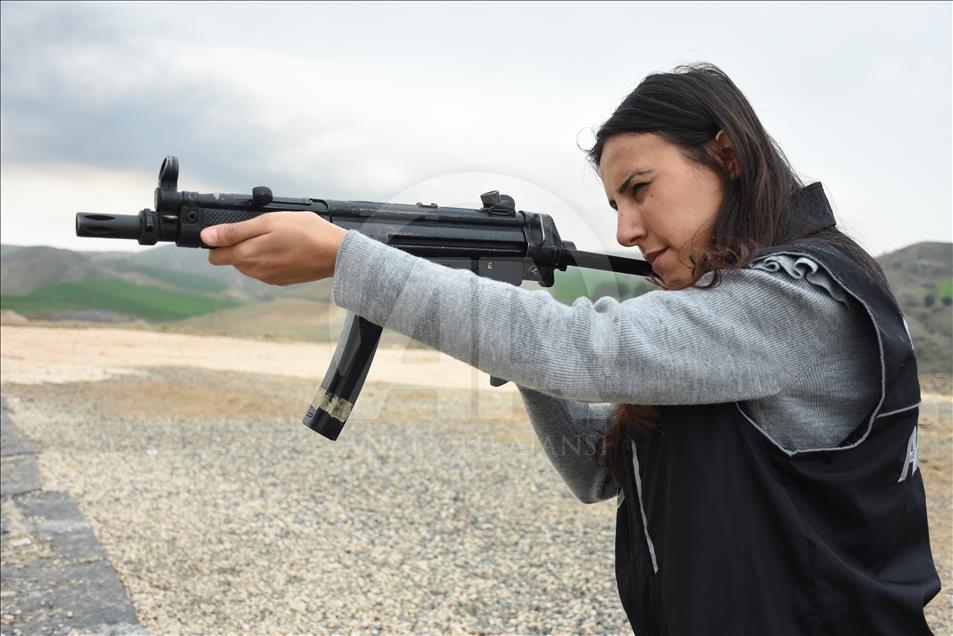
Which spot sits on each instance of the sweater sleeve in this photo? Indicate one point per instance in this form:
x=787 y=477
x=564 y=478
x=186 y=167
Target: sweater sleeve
x=745 y=339
x=569 y=432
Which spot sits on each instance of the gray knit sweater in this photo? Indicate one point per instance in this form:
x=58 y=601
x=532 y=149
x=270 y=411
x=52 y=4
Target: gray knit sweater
x=778 y=337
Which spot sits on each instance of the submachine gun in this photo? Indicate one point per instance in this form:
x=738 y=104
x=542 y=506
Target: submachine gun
x=495 y=241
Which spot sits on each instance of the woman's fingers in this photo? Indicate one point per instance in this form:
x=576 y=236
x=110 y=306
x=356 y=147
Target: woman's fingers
x=279 y=248
x=232 y=233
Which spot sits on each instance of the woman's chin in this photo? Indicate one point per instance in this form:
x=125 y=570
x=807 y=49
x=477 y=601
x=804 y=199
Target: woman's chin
x=673 y=281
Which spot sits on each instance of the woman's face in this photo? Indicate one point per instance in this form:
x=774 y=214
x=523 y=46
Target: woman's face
x=666 y=204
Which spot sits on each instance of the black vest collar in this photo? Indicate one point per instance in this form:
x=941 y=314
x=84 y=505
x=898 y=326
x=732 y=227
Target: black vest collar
x=811 y=211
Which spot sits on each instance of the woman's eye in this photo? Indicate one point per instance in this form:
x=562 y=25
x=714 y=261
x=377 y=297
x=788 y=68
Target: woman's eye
x=636 y=187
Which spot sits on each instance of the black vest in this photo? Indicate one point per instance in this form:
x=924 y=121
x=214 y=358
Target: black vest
x=721 y=531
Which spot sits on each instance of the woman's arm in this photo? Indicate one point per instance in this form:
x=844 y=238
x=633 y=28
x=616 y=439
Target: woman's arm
x=747 y=339
x=569 y=432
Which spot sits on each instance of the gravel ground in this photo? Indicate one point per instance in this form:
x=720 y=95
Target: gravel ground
x=434 y=512
x=244 y=520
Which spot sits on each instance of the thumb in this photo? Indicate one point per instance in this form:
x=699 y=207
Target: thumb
x=231 y=233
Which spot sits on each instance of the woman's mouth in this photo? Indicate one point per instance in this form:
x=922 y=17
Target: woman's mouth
x=651 y=257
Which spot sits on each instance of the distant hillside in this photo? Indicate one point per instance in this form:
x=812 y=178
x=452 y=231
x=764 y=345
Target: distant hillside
x=194 y=262
x=159 y=284
x=113 y=295
x=9 y=249
x=22 y=270
x=43 y=282
x=282 y=318
x=921 y=277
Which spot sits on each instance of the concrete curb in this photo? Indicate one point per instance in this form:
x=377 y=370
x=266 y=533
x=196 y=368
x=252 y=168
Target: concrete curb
x=55 y=577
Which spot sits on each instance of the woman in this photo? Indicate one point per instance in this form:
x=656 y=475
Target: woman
x=756 y=419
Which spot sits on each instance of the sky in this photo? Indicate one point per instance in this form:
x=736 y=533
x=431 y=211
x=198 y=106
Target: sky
x=406 y=102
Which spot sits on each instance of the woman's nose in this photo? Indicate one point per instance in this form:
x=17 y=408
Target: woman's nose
x=629 y=229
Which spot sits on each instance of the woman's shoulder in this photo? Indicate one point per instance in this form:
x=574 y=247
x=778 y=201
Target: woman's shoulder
x=772 y=285
x=791 y=302
x=802 y=272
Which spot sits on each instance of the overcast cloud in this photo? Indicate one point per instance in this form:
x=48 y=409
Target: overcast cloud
x=406 y=102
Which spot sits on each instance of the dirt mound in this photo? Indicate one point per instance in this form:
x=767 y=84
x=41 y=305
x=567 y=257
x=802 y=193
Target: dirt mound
x=8 y=317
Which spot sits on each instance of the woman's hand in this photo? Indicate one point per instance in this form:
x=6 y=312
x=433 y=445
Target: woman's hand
x=278 y=248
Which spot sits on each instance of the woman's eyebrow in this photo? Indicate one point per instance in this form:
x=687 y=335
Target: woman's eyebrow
x=625 y=184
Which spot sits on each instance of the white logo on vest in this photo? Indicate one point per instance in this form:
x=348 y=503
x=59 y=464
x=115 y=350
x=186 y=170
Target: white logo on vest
x=911 y=461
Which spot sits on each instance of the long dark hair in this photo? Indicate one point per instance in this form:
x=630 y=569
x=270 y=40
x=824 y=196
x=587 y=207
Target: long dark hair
x=688 y=107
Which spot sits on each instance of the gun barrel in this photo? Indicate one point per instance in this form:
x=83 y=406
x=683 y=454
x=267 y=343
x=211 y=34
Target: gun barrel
x=119 y=226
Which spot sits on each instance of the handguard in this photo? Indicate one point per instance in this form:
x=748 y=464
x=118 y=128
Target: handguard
x=495 y=241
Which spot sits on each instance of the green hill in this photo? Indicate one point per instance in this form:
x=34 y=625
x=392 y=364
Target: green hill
x=44 y=282
x=185 y=266
x=181 y=280
x=575 y=283
x=111 y=295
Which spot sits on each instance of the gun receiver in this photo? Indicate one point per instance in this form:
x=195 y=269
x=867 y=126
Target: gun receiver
x=495 y=241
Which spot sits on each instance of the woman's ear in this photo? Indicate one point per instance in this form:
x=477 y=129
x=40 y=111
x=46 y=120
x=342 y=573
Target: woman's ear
x=726 y=152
